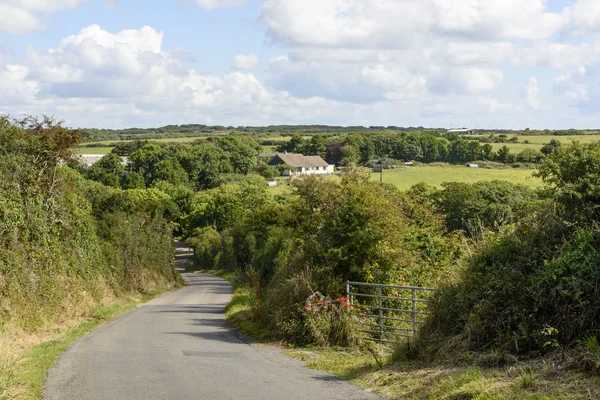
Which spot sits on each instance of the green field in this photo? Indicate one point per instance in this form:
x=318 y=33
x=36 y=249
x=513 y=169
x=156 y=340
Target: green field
x=536 y=142
x=406 y=177
x=517 y=147
x=93 y=150
x=107 y=149
x=166 y=140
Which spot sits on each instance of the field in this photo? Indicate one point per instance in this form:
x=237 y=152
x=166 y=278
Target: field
x=536 y=142
x=93 y=150
x=107 y=148
x=435 y=175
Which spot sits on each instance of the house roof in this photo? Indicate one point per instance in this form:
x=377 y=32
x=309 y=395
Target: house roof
x=300 y=160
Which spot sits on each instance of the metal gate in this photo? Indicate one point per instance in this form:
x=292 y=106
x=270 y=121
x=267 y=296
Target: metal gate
x=390 y=312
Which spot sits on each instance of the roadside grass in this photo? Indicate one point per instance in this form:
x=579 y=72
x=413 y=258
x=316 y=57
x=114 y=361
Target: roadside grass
x=23 y=371
x=240 y=312
x=527 y=380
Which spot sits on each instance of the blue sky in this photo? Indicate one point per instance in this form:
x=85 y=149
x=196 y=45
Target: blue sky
x=438 y=63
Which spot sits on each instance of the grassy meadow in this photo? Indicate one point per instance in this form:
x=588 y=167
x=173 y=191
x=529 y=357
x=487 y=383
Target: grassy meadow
x=437 y=174
x=93 y=150
x=536 y=142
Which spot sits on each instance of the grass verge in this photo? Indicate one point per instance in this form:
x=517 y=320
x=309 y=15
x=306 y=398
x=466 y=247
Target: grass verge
x=23 y=374
x=541 y=379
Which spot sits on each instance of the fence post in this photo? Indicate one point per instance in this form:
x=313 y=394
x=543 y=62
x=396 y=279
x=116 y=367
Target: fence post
x=380 y=313
x=414 y=311
x=348 y=293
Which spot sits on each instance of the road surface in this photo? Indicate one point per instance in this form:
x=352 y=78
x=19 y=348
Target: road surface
x=180 y=347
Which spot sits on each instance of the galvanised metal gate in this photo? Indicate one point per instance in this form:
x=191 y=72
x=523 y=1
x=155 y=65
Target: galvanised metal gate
x=390 y=312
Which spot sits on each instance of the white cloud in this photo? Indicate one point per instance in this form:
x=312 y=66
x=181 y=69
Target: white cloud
x=21 y=16
x=574 y=86
x=346 y=49
x=401 y=23
x=17 y=20
x=586 y=15
x=466 y=80
x=114 y=4
x=15 y=85
x=245 y=61
x=213 y=4
x=557 y=55
x=531 y=94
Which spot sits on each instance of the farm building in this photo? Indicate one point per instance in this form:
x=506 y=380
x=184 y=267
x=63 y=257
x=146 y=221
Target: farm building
x=91 y=159
x=463 y=131
x=302 y=165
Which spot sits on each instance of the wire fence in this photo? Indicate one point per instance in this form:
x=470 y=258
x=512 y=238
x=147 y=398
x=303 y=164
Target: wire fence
x=389 y=313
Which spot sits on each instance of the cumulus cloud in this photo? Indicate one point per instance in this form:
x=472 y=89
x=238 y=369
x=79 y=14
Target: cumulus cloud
x=213 y=4
x=101 y=78
x=557 y=55
x=342 y=48
x=15 y=85
x=574 y=86
x=375 y=23
x=531 y=94
x=22 y=16
x=586 y=15
x=245 y=61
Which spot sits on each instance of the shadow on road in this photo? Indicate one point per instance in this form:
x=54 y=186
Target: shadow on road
x=190 y=309
x=225 y=336
x=217 y=323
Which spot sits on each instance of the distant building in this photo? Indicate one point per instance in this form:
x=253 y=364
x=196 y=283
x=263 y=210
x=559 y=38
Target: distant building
x=302 y=165
x=91 y=159
x=472 y=165
x=463 y=131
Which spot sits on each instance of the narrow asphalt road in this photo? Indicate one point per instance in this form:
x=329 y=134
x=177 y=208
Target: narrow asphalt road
x=180 y=347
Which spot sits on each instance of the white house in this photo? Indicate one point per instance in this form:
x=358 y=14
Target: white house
x=463 y=131
x=302 y=165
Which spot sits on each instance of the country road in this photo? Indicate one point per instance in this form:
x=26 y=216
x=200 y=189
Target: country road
x=179 y=346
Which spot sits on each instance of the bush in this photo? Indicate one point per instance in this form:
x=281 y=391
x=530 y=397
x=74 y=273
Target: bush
x=533 y=287
x=66 y=242
x=317 y=238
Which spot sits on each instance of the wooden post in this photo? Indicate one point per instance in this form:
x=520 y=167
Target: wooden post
x=414 y=311
x=380 y=313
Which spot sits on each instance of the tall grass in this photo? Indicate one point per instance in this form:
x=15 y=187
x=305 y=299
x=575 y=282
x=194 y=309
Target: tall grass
x=7 y=369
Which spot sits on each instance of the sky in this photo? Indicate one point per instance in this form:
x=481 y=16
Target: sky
x=507 y=64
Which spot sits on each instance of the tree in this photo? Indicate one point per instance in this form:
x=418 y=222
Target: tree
x=108 y=171
x=552 y=147
x=574 y=174
x=504 y=155
x=529 y=156
x=482 y=205
x=133 y=180
x=242 y=151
